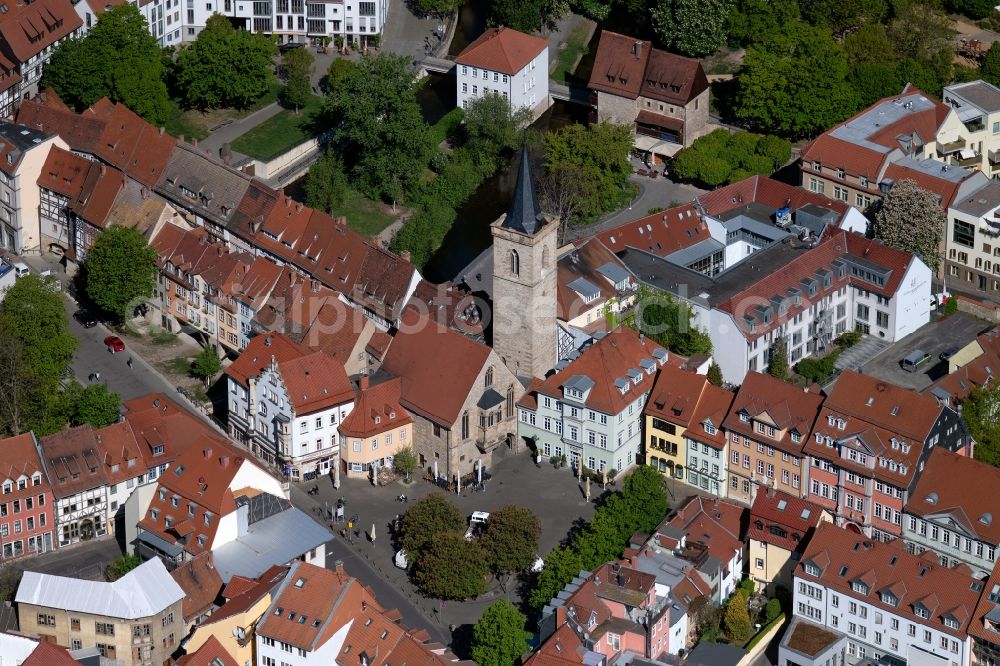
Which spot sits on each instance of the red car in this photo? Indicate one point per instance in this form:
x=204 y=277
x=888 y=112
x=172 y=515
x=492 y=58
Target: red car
x=114 y=344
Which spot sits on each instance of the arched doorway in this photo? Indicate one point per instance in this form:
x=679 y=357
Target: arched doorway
x=86 y=529
x=853 y=528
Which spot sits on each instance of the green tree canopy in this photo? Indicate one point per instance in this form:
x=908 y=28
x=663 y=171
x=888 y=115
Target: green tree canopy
x=206 y=365
x=720 y=156
x=405 y=462
x=337 y=71
x=794 y=82
x=225 y=67
x=692 y=27
x=118 y=59
x=32 y=313
x=297 y=66
x=120 y=566
x=449 y=567
x=510 y=541
x=381 y=121
x=981 y=413
x=660 y=317
x=870 y=44
x=493 y=129
x=499 y=638
x=990 y=69
x=645 y=495
x=910 y=218
x=438 y=8
x=737 y=618
x=428 y=520
x=561 y=565
x=97 y=406
x=714 y=374
x=749 y=19
x=326 y=183
x=779 y=360
x=120 y=270
x=843 y=17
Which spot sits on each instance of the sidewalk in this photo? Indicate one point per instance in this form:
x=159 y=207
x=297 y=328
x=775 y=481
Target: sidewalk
x=227 y=134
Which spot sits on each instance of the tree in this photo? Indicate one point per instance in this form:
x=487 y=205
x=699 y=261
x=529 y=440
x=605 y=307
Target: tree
x=32 y=313
x=427 y=521
x=562 y=192
x=794 y=82
x=921 y=32
x=910 y=218
x=337 y=71
x=990 y=69
x=225 y=67
x=721 y=155
x=405 y=462
x=981 y=413
x=439 y=8
x=561 y=565
x=499 y=638
x=382 y=123
x=873 y=81
x=493 y=129
x=449 y=567
x=714 y=375
x=120 y=566
x=779 y=360
x=737 y=618
x=843 y=17
x=206 y=365
x=749 y=19
x=599 y=154
x=598 y=10
x=692 y=27
x=120 y=270
x=510 y=541
x=645 y=496
x=870 y=45
x=662 y=318
x=523 y=15
x=326 y=183
x=297 y=65
x=772 y=609
x=96 y=406
x=118 y=59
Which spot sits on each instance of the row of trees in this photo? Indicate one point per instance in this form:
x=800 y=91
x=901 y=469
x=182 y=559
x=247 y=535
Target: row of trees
x=722 y=156
x=119 y=59
x=445 y=565
x=639 y=507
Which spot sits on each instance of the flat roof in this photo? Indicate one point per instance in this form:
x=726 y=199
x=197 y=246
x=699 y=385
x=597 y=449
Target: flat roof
x=883 y=114
x=980 y=202
x=808 y=638
x=275 y=540
x=978 y=93
x=932 y=167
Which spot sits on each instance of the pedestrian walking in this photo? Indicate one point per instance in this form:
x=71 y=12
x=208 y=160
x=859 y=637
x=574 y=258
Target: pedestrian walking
x=129 y=362
x=97 y=376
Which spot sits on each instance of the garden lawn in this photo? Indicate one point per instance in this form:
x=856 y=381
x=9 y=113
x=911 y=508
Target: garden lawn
x=197 y=124
x=279 y=133
x=365 y=216
x=576 y=46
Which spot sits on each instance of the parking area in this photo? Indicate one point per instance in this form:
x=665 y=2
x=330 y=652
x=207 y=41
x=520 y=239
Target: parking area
x=956 y=330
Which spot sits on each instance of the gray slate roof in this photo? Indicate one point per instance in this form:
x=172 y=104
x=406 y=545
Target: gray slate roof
x=275 y=540
x=525 y=215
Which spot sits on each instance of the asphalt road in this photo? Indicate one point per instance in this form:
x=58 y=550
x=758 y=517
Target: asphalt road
x=85 y=560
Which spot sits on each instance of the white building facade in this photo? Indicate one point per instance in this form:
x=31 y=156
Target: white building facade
x=487 y=66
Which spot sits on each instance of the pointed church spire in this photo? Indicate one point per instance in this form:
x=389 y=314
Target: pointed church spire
x=524 y=215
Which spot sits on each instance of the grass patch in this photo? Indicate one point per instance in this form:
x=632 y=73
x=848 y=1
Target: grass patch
x=197 y=124
x=179 y=365
x=131 y=331
x=280 y=133
x=365 y=216
x=163 y=338
x=183 y=123
x=447 y=126
x=576 y=46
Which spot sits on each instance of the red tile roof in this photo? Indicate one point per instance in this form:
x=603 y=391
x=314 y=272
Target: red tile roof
x=20 y=458
x=766 y=398
x=99 y=193
x=797 y=517
x=131 y=144
x=502 y=50
x=316 y=594
x=381 y=401
x=717 y=524
x=64 y=172
x=433 y=389
x=73 y=461
x=314 y=382
x=687 y=399
x=673 y=78
x=585 y=261
x=48 y=114
x=120 y=453
x=48 y=654
x=660 y=233
x=989 y=602
x=952 y=484
x=763 y=190
x=164 y=430
x=844 y=556
x=211 y=653
x=32 y=27
x=201 y=584
x=607 y=361
x=259 y=352
x=619 y=64
x=242 y=593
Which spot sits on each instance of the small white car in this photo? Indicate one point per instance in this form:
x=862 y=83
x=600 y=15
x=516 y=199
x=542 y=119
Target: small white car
x=400 y=559
x=20 y=269
x=477 y=523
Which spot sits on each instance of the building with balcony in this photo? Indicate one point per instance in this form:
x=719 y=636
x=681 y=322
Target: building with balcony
x=977 y=105
x=662 y=95
x=136 y=620
x=591 y=409
x=27 y=516
x=780 y=528
x=948 y=513
x=972 y=242
x=894 y=607
x=767 y=425
x=683 y=429
x=868 y=447
x=505 y=62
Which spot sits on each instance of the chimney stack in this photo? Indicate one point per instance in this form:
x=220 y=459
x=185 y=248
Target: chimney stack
x=162 y=130
x=207 y=452
x=405 y=256
x=363 y=383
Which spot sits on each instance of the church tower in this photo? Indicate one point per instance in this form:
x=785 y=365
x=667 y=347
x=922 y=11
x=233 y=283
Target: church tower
x=524 y=282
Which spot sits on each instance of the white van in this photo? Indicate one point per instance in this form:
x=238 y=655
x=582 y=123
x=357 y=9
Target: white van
x=20 y=269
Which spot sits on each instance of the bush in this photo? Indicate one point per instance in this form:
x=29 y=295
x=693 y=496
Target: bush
x=951 y=305
x=713 y=171
x=772 y=609
x=737 y=618
x=848 y=339
x=817 y=369
x=720 y=156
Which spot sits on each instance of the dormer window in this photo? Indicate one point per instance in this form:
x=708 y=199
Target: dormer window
x=709 y=428
x=859 y=587
x=950 y=622
x=812 y=569
x=744 y=417
x=889 y=599
x=378 y=420
x=830 y=420
x=796 y=438
x=921 y=611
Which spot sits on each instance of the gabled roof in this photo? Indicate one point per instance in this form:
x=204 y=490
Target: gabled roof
x=15 y=141
x=379 y=401
x=211 y=653
x=785 y=405
x=660 y=233
x=716 y=524
x=258 y=354
x=30 y=28
x=611 y=364
x=593 y=262
x=64 y=172
x=797 y=516
x=195 y=181
x=687 y=399
x=314 y=382
x=673 y=78
x=20 y=459
x=433 y=389
x=762 y=190
x=951 y=485
x=201 y=584
x=620 y=64
x=143 y=592
x=502 y=50
x=73 y=461
x=129 y=143
x=48 y=113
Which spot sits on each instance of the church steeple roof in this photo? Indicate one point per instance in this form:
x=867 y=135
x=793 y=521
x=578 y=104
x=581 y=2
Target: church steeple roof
x=524 y=215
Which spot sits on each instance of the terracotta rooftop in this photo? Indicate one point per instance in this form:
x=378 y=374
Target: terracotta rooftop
x=796 y=516
x=587 y=267
x=201 y=584
x=376 y=409
x=673 y=78
x=716 y=524
x=20 y=459
x=844 y=557
x=258 y=354
x=620 y=64
x=762 y=190
x=768 y=399
x=660 y=233
x=502 y=50
x=211 y=653
x=73 y=461
x=33 y=27
x=314 y=382
x=64 y=172
x=952 y=485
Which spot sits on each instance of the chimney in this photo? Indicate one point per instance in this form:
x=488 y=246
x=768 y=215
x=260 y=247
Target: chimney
x=104 y=170
x=207 y=452
x=637 y=49
x=227 y=160
x=194 y=142
x=298 y=206
x=338 y=568
x=224 y=461
x=405 y=256
x=363 y=382
x=162 y=130
x=181 y=138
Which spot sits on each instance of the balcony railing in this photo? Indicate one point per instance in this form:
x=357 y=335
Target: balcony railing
x=969 y=161
x=953 y=147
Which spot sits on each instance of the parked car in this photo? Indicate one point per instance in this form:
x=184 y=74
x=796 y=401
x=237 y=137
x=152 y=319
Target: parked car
x=400 y=559
x=20 y=269
x=86 y=319
x=948 y=353
x=477 y=523
x=914 y=360
x=114 y=344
